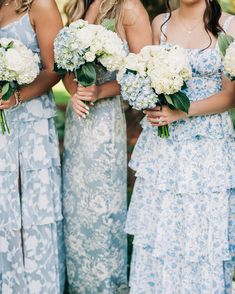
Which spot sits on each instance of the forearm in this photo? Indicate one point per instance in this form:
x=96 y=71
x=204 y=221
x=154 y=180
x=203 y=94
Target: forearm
x=108 y=89
x=42 y=84
x=217 y=103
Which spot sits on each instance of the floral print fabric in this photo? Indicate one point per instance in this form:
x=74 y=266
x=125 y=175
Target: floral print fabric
x=182 y=209
x=94 y=198
x=31 y=239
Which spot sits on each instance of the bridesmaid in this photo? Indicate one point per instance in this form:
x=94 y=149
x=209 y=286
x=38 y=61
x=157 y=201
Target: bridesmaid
x=30 y=175
x=183 y=207
x=94 y=189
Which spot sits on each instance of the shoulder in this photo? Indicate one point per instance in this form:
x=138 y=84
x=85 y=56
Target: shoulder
x=156 y=27
x=42 y=5
x=158 y=21
x=132 y=10
x=228 y=20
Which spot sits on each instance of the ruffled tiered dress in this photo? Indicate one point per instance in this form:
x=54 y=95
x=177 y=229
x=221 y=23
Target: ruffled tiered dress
x=30 y=190
x=182 y=213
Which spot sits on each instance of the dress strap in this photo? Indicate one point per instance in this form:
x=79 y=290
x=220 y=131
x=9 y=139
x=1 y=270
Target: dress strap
x=227 y=23
x=164 y=28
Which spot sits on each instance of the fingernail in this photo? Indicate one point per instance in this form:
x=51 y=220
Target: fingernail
x=84 y=116
x=92 y=104
x=87 y=112
x=87 y=108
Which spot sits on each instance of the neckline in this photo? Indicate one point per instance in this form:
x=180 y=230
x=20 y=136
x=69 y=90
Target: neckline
x=13 y=22
x=193 y=49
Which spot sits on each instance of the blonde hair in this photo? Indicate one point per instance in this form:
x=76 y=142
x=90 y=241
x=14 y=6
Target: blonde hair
x=109 y=9
x=23 y=5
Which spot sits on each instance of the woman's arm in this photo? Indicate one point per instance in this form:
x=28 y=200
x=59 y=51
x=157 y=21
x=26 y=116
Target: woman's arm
x=217 y=103
x=137 y=30
x=46 y=20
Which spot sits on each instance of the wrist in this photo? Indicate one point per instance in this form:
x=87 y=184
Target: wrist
x=99 y=93
x=17 y=96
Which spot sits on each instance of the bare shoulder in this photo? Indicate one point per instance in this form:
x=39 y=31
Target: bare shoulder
x=157 y=21
x=43 y=5
x=156 y=27
x=132 y=10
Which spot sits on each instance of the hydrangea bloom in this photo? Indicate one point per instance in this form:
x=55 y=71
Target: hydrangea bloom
x=18 y=66
x=156 y=76
x=229 y=61
x=81 y=43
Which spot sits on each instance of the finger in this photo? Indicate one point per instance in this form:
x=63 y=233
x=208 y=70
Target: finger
x=157 y=121
x=78 y=111
x=81 y=93
x=85 y=98
x=5 y=105
x=80 y=107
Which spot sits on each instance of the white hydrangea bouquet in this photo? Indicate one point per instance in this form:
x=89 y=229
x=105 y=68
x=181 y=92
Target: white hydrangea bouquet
x=80 y=46
x=227 y=49
x=18 y=66
x=156 y=76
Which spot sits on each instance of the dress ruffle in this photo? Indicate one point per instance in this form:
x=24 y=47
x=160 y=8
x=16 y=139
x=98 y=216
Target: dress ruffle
x=198 y=165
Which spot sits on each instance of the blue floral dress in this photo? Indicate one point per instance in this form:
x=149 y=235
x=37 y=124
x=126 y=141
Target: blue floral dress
x=31 y=256
x=94 y=197
x=182 y=213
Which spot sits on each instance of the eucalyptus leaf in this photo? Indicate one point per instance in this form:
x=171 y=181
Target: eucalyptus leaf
x=224 y=41
x=181 y=101
x=86 y=74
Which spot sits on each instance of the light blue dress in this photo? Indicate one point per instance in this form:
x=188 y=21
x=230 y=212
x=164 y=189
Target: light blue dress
x=94 y=197
x=30 y=208
x=182 y=213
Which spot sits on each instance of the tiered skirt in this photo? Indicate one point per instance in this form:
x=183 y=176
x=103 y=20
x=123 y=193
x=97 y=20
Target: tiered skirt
x=182 y=215
x=31 y=241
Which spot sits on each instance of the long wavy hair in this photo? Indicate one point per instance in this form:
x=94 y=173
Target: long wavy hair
x=211 y=18
x=21 y=5
x=76 y=9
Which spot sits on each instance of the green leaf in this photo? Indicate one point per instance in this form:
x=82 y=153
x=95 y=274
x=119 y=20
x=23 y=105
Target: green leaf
x=10 y=45
x=131 y=71
x=224 y=41
x=86 y=74
x=169 y=99
x=8 y=94
x=5 y=88
x=59 y=70
x=109 y=24
x=181 y=101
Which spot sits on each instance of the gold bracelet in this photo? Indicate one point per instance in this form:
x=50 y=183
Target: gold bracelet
x=17 y=97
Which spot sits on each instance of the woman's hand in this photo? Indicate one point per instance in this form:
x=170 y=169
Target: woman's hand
x=83 y=99
x=89 y=94
x=9 y=103
x=161 y=116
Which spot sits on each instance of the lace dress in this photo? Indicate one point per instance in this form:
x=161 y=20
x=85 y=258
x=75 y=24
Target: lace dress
x=31 y=257
x=94 y=197
x=182 y=213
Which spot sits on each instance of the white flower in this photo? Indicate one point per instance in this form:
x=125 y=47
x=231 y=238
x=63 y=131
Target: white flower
x=17 y=63
x=82 y=42
x=229 y=60
x=90 y=56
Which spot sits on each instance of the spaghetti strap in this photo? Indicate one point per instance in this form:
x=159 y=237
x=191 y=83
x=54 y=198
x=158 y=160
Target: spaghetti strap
x=164 y=28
